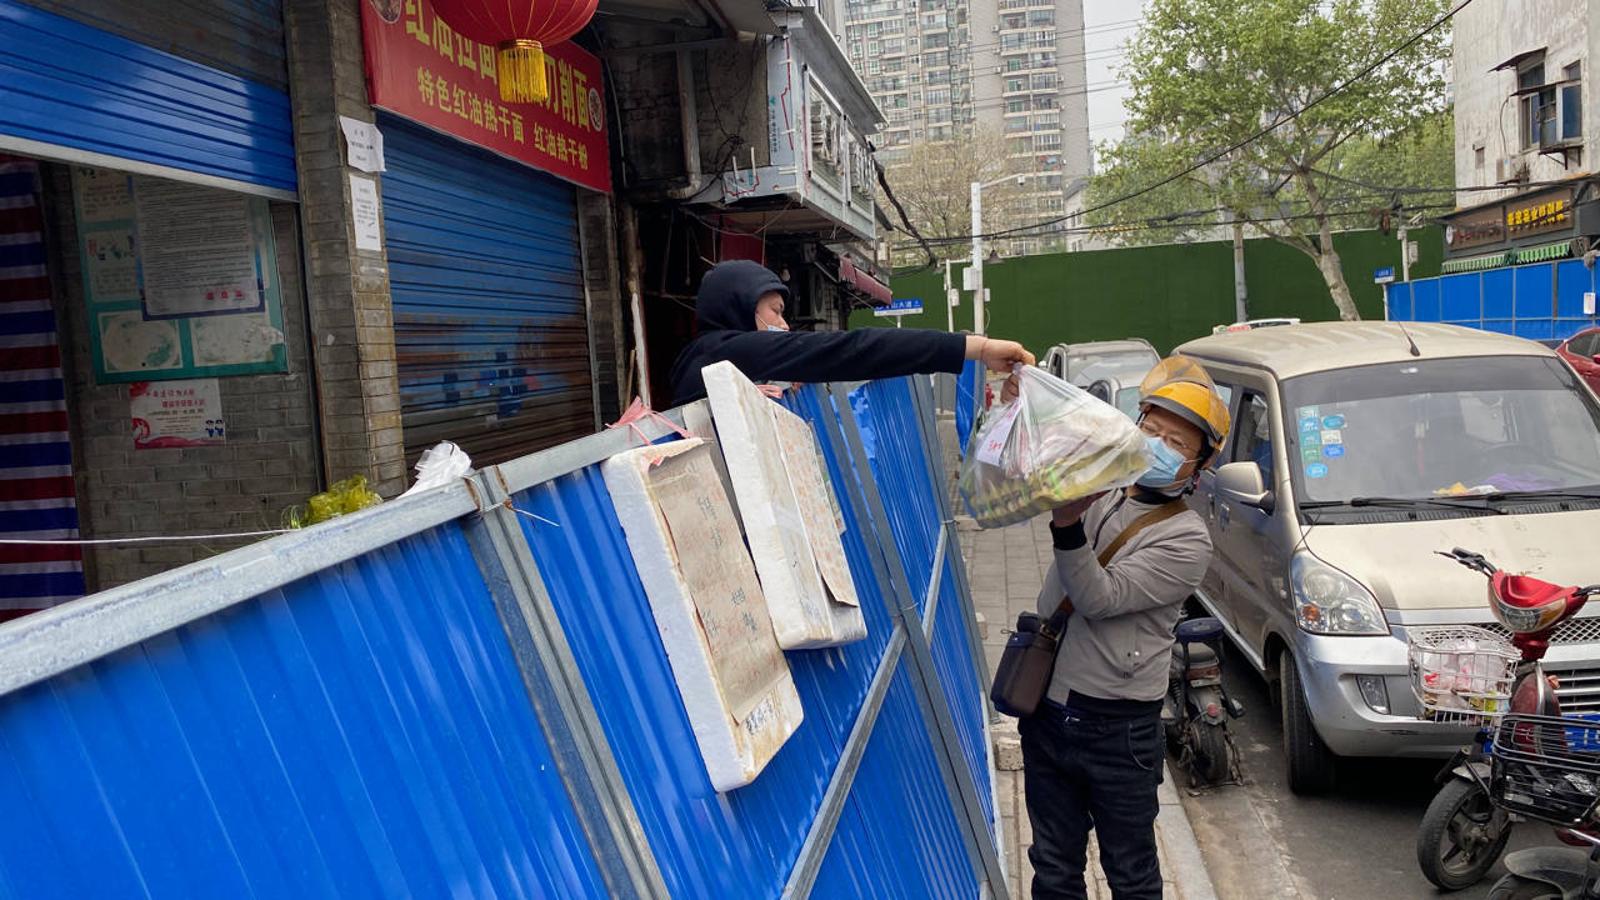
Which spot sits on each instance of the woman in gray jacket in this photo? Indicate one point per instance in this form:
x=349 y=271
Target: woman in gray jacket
x=1092 y=754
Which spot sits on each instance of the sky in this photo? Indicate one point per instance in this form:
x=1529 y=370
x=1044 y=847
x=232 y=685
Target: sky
x=1108 y=24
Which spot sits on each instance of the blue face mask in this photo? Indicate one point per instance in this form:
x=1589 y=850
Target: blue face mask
x=776 y=328
x=1163 y=475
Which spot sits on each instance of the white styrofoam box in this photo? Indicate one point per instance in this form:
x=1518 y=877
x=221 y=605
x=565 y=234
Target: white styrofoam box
x=708 y=605
x=769 y=451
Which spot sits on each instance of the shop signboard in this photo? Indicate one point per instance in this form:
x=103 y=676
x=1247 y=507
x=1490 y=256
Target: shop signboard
x=180 y=280
x=420 y=67
x=1515 y=222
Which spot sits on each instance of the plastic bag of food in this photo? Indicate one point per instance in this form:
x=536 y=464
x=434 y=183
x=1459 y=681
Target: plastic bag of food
x=344 y=496
x=1053 y=444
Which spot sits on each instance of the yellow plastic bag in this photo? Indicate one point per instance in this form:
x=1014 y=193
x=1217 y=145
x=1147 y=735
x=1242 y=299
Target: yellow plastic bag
x=344 y=496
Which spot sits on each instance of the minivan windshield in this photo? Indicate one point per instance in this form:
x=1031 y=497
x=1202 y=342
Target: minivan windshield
x=1426 y=429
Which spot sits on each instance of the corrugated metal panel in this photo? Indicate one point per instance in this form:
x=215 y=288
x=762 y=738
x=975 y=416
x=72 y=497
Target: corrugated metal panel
x=899 y=836
x=67 y=85
x=969 y=399
x=243 y=37
x=485 y=272
x=738 y=844
x=901 y=466
x=362 y=732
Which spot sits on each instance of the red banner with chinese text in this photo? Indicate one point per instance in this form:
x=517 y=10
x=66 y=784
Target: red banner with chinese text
x=420 y=68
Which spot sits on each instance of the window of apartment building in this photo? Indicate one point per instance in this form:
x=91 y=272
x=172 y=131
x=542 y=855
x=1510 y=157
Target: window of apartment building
x=1550 y=113
x=1010 y=42
x=1046 y=101
x=1016 y=106
x=1016 y=126
x=1045 y=140
x=940 y=133
x=1572 y=102
x=1015 y=146
x=938 y=76
x=1015 y=64
x=874 y=48
x=1041 y=60
x=1013 y=21
x=938 y=97
x=1016 y=84
x=936 y=59
x=874 y=67
x=1046 y=121
x=936 y=40
x=939 y=116
x=934 y=20
x=1042 y=17
x=1046 y=82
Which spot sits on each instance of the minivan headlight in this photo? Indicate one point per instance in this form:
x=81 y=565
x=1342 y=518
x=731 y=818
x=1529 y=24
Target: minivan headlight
x=1327 y=601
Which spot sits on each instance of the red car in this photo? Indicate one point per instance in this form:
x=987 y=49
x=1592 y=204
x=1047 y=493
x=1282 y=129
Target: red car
x=1582 y=352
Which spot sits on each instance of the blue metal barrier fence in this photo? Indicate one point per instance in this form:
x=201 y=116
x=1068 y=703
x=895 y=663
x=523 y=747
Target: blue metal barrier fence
x=444 y=695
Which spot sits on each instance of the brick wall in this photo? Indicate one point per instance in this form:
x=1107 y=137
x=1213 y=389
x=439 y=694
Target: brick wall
x=349 y=305
x=268 y=463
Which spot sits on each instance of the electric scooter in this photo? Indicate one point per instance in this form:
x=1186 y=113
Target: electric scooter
x=1197 y=707
x=1465 y=674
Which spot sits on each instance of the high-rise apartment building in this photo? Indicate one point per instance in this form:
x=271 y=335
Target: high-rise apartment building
x=941 y=69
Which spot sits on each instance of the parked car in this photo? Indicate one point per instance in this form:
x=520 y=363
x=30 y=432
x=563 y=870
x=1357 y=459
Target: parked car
x=1254 y=324
x=1121 y=365
x=1582 y=352
x=1352 y=460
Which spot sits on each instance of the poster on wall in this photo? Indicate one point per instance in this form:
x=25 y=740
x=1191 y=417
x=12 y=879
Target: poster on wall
x=197 y=251
x=180 y=280
x=176 y=413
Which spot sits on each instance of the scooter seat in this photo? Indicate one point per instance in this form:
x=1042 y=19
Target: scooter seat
x=1201 y=655
x=1204 y=628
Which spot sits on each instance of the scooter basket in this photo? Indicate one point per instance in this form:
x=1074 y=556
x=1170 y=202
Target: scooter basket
x=1547 y=768
x=1461 y=674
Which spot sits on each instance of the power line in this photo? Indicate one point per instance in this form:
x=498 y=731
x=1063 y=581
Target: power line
x=1237 y=145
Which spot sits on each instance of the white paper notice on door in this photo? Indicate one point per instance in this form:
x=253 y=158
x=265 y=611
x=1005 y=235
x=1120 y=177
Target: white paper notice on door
x=364 y=213
x=708 y=605
x=197 y=250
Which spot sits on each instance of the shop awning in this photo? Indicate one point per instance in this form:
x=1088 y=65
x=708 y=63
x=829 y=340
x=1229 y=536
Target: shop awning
x=1476 y=263
x=1558 y=250
x=864 y=282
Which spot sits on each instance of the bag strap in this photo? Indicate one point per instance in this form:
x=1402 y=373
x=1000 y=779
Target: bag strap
x=1152 y=517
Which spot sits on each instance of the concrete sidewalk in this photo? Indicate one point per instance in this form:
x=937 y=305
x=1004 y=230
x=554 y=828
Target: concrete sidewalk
x=1006 y=569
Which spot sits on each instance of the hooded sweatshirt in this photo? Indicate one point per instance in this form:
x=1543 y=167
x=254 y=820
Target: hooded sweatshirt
x=725 y=310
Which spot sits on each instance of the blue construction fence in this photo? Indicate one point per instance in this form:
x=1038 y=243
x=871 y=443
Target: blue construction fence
x=463 y=693
x=1539 y=301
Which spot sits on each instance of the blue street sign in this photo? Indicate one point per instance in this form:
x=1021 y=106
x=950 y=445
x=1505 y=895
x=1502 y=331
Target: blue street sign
x=1384 y=275
x=908 y=306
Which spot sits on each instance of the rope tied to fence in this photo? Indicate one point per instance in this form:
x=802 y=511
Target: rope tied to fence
x=637 y=412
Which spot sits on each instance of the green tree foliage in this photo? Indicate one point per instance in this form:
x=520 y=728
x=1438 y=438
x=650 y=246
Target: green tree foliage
x=1207 y=74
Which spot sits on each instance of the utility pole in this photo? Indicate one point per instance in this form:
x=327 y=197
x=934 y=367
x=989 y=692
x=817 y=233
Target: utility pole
x=1241 y=304
x=977 y=258
x=1405 y=254
x=949 y=307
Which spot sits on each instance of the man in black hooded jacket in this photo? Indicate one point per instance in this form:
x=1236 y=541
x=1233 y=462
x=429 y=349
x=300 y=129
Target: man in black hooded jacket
x=740 y=312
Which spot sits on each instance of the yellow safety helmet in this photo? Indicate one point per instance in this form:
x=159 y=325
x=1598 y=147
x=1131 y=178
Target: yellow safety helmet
x=1181 y=386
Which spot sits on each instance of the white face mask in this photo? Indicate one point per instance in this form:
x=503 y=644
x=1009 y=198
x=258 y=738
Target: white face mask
x=771 y=327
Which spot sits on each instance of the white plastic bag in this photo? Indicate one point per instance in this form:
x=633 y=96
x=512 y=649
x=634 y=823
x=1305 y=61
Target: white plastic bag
x=442 y=463
x=1053 y=444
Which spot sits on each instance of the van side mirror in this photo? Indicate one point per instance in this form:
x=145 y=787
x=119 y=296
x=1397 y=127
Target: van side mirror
x=1243 y=483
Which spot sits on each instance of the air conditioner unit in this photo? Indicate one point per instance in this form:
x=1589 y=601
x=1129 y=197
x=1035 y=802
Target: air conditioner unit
x=1510 y=169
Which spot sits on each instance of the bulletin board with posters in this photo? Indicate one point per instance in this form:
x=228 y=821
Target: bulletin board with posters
x=421 y=67
x=180 y=280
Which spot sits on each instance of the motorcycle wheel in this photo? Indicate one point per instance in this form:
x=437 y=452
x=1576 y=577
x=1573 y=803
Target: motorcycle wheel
x=1450 y=856
x=1212 y=753
x=1515 y=887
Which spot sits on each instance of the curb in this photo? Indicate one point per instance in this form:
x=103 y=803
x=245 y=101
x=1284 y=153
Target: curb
x=1187 y=865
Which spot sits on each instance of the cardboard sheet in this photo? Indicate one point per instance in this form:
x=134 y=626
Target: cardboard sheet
x=789 y=520
x=709 y=606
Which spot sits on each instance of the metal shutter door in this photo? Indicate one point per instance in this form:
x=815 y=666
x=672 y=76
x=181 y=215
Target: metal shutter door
x=491 y=339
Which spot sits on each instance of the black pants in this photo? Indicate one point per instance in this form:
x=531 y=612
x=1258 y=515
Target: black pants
x=1099 y=774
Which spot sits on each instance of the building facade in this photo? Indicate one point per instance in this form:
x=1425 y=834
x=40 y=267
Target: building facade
x=329 y=242
x=1015 y=69
x=1519 y=73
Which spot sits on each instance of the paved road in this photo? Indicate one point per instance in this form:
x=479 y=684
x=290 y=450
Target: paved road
x=1260 y=841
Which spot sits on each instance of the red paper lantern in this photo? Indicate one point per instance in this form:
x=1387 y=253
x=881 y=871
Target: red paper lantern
x=519 y=30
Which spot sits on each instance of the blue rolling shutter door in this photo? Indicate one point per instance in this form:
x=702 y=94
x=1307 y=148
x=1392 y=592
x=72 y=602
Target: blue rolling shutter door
x=72 y=91
x=491 y=337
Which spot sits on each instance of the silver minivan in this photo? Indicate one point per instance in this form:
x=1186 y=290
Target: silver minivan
x=1357 y=451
